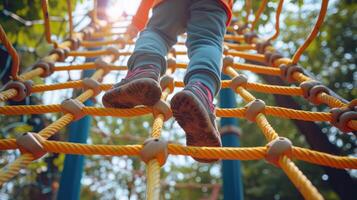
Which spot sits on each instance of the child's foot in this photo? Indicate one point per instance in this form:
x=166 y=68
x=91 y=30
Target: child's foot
x=139 y=87
x=194 y=111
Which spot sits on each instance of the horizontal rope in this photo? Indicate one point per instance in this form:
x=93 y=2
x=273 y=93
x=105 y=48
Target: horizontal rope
x=320 y=158
x=88 y=65
x=232 y=112
x=225 y=153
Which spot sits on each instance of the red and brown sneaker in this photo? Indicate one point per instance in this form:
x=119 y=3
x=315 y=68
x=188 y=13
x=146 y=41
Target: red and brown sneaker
x=194 y=111
x=139 y=87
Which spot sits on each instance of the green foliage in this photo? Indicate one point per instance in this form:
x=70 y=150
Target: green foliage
x=29 y=40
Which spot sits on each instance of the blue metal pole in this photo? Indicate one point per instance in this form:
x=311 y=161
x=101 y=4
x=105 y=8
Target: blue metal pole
x=70 y=184
x=231 y=170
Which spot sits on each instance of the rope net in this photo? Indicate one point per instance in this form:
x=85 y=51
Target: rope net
x=240 y=41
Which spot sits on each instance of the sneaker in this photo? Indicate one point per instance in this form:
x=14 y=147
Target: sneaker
x=139 y=87
x=194 y=111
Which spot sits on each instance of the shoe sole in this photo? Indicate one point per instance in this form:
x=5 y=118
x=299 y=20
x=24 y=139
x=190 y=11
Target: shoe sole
x=144 y=91
x=194 y=119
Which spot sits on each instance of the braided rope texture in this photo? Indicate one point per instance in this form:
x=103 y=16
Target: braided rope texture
x=303 y=184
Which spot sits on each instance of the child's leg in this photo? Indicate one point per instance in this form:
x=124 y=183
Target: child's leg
x=192 y=107
x=168 y=20
x=140 y=86
x=205 y=30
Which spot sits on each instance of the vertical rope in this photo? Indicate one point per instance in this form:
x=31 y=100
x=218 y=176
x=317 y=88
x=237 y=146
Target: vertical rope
x=14 y=56
x=262 y=6
x=153 y=167
x=307 y=189
x=46 y=17
x=313 y=33
x=70 y=19
x=248 y=8
x=277 y=20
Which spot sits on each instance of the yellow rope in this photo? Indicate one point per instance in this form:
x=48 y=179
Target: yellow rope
x=296 y=176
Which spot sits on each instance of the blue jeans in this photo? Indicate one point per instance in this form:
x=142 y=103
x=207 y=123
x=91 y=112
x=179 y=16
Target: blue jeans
x=205 y=23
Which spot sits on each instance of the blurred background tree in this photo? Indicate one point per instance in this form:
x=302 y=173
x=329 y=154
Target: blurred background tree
x=331 y=57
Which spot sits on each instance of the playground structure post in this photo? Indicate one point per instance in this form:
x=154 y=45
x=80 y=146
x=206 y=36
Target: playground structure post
x=231 y=170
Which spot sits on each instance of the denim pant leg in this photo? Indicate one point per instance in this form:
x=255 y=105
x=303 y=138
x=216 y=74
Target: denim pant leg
x=168 y=21
x=205 y=33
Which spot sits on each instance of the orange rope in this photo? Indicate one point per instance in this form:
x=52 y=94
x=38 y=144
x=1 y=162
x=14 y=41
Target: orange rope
x=240 y=47
x=313 y=33
x=320 y=158
x=14 y=57
x=90 y=43
x=248 y=8
x=70 y=20
x=257 y=69
x=249 y=56
x=260 y=10
x=277 y=21
x=46 y=17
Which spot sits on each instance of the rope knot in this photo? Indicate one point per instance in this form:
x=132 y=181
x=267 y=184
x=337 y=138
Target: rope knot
x=249 y=37
x=239 y=81
x=89 y=83
x=342 y=116
x=167 y=81
x=261 y=46
x=277 y=148
x=271 y=57
x=62 y=53
x=31 y=143
x=161 y=107
x=254 y=108
x=74 y=107
x=311 y=89
x=154 y=148
x=75 y=43
x=228 y=61
x=100 y=63
x=23 y=89
x=47 y=66
x=287 y=72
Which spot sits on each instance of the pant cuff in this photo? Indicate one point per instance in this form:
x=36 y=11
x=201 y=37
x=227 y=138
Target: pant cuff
x=140 y=58
x=211 y=75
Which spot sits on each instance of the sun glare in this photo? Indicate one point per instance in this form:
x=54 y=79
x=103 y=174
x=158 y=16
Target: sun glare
x=118 y=7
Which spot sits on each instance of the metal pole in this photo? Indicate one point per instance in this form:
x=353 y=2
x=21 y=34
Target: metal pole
x=231 y=172
x=70 y=184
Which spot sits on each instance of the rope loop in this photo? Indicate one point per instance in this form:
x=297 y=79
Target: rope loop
x=311 y=89
x=31 y=143
x=239 y=81
x=62 y=53
x=277 y=148
x=254 y=108
x=271 y=57
x=287 y=72
x=249 y=37
x=154 y=148
x=74 y=107
x=90 y=83
x=23 y=89
x=47 y=66
x=342 y=116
